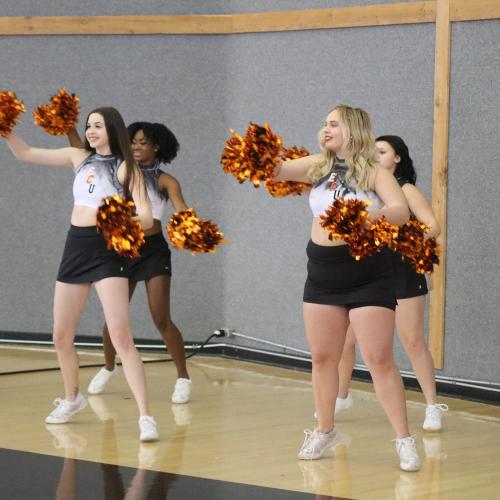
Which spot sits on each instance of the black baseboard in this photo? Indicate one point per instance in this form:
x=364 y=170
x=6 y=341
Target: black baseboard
x=444 y=388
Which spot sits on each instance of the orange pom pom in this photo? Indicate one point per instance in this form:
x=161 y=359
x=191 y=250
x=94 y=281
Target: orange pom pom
x=347 y=220
x=115 y=221
x=10 y=110
x=293 y=152
x=59 y=117
x=233 y=159
x=287 y=188
x=253 y=157
x=280 y=189
x=187 y=232
x=411 y=244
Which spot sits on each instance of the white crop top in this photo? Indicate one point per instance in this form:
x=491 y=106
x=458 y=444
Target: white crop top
x=95 y=179
x=332 y=186
x=157 y=196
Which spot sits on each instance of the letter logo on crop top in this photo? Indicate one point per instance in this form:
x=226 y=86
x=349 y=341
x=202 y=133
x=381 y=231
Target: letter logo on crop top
x=90 y=179
x=333 y=183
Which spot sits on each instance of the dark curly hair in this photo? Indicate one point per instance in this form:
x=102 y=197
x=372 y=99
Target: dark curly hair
x=160 y=136
x=405 y=171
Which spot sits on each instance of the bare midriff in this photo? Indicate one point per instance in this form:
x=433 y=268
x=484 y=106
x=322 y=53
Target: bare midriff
x=83 y=216
x=320 y=236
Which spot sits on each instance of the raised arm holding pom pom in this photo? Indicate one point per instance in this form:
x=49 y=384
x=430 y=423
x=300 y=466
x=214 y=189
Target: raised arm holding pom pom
x=104 y=168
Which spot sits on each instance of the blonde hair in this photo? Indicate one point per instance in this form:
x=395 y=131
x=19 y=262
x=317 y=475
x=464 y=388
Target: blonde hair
x=359 y=143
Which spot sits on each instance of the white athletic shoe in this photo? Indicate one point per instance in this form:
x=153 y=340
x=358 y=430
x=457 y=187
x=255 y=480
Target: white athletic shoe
x=65 y=409
x=408 y=455
x=101 y=378
x=340 y=404
x=147 y=426
x=343 y=403
x=316 y=443
x=433 y=416
x=182 y=391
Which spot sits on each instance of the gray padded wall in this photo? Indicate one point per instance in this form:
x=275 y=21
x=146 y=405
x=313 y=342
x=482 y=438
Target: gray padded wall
x=473 y=294
x=177 y=80
x=202 y=86
x=389 y=72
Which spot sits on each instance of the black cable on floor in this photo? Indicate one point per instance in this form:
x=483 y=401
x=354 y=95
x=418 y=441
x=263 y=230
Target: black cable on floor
x=190 y=355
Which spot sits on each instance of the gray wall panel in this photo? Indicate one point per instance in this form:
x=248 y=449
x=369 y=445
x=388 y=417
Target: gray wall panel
x=177 y=80
x=389 y=72
x=473 y=294
x=112 y=7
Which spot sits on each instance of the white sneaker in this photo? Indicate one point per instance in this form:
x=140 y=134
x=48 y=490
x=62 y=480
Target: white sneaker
x=316 y=443
x=182 y=391
x=101 y=378
x=433 y=415
x=343 y=403
x=340 y=404
x=408 y=456
x=147 y=426
x=65 y=409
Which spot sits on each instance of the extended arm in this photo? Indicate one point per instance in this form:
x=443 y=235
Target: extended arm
x=64 y=157
x=171 y=185
x=296 y=170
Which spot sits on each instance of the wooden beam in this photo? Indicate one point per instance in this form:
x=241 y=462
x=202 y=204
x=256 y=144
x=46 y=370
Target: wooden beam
x=116 y=25
x=340 y=17
x=440 y=174
x=474 y=10
x=309 y=19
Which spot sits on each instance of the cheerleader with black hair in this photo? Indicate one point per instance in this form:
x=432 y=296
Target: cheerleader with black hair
x=411 y=289
x=154 y=146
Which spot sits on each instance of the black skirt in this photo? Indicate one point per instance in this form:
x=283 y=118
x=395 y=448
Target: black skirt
x=154 y=259
x=408 y=282
x=86 y=259
x=334 y=277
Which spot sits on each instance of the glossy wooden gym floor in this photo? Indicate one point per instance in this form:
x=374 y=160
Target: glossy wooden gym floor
x=237 y=438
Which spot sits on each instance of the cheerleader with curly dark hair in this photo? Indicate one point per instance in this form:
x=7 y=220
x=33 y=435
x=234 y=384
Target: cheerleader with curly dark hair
x=154 y=146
